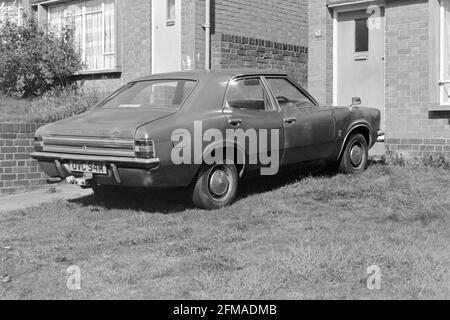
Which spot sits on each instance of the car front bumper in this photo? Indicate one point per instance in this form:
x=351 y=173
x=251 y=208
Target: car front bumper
x=381 y=136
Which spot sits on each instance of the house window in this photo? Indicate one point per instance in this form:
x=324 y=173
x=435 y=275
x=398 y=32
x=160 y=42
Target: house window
x=95 y=33
x=12 y=12
x=361 y=35
x=171 y=10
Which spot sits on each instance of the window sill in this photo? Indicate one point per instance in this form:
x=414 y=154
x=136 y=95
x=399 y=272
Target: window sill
x=98 y=72
x=442 y=112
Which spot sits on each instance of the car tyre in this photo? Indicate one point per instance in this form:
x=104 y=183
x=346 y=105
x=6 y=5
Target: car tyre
x=216 y=186
x=355 y=156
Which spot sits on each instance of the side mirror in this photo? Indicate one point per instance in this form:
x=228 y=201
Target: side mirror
x=356 y=101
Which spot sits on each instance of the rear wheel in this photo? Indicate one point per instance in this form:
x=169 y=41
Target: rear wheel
x=355 y=156
x=216 y=186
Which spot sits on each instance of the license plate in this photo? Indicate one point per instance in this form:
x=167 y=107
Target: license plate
x=96 y=167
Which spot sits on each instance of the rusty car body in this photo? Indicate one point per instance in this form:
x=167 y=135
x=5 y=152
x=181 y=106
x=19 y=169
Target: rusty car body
x=125 y=140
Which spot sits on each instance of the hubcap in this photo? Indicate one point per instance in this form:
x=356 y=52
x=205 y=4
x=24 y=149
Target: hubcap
x=356 y=155
x=218 y=183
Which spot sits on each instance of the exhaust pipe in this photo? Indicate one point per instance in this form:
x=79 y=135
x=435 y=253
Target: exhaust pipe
x=84 y=182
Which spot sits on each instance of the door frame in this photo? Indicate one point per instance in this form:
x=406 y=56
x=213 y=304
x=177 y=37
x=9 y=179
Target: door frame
x=348 y=7
x=153 y=31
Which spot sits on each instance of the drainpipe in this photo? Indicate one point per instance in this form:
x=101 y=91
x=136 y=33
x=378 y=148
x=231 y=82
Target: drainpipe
x=207 y=34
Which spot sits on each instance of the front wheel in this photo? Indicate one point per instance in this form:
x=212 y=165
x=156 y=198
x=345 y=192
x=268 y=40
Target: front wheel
x=356 y=155
x=216 y=186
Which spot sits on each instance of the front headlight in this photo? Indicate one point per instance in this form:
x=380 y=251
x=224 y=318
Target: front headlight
x=144 y=148
x=38 y=144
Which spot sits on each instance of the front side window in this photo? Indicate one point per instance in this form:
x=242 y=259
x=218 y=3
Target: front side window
x=93 y=22
x=247 y=94
x=445 y=52
x=288 y=95
x=153 y=94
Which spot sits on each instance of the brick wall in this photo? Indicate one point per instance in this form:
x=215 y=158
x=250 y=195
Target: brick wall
x=135 y=21
x=17 y=171
x=231 y=51
x=409 y=82
x=277 y=21
x=283 y=21
x=320 y=46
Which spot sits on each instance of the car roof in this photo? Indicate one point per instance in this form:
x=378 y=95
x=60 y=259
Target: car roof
x=208 y=74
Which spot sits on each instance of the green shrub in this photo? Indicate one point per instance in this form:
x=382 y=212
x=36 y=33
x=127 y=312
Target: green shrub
x=33 y=61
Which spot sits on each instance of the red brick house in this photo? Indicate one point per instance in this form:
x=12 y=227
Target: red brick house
x=394 y=55
x=123 y=39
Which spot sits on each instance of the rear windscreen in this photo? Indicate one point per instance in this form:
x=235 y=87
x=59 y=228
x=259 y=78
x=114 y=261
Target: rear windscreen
x=156 y=94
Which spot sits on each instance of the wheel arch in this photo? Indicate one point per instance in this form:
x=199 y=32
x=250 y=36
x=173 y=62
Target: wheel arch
x=361 y=128
x=238 y=152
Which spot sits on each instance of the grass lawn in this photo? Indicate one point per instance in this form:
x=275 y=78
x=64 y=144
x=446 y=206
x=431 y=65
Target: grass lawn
x=289 y=237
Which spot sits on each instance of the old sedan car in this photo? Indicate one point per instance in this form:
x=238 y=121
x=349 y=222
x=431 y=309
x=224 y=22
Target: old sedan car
x=139 y=135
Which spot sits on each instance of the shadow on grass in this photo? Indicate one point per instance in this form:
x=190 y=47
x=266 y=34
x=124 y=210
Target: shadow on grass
x=173 y=200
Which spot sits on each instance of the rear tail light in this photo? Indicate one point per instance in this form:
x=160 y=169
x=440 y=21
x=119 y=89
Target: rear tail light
x=144 y=148
x=38 y=144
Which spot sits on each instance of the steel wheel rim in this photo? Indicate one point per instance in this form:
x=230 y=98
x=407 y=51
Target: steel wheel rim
x=220 y=181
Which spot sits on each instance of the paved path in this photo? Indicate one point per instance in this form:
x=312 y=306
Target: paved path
x=35 y=198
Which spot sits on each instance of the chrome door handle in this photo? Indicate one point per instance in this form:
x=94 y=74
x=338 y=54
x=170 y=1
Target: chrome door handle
x=290 y=120
x=235 y=122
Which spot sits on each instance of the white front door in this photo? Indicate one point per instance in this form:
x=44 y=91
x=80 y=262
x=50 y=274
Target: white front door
x=360 y=58
x=166 y=40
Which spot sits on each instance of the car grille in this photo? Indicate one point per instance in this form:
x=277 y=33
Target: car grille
x=89 y=146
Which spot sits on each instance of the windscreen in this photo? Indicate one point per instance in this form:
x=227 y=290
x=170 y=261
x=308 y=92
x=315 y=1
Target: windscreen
x=152 y=94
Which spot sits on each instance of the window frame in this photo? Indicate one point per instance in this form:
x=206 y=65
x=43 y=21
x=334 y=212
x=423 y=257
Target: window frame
x=84 y=13
x=266 y=91
x=170 y=20
x=113 y=95
x=356 y=38
x=294 y=84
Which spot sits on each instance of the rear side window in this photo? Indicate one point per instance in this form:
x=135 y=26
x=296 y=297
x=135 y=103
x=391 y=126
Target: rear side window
x=154 y=94
x=288 y=95
x=247 y=94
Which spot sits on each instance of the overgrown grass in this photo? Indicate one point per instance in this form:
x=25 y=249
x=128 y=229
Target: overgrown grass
x=51 y=106
x=294 y=236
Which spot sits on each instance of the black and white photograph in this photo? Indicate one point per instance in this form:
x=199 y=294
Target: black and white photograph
x=224 y=156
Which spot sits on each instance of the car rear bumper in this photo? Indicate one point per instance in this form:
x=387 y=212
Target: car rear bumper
x=119 y=161
x=121 y=171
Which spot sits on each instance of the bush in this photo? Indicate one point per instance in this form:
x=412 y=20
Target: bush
x=33 y=61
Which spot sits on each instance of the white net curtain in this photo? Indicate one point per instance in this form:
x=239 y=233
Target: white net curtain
x=94 y=25
x=11 y=10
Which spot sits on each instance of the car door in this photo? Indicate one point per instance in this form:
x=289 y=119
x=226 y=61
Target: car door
x=308 y=127
x=249 y=110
